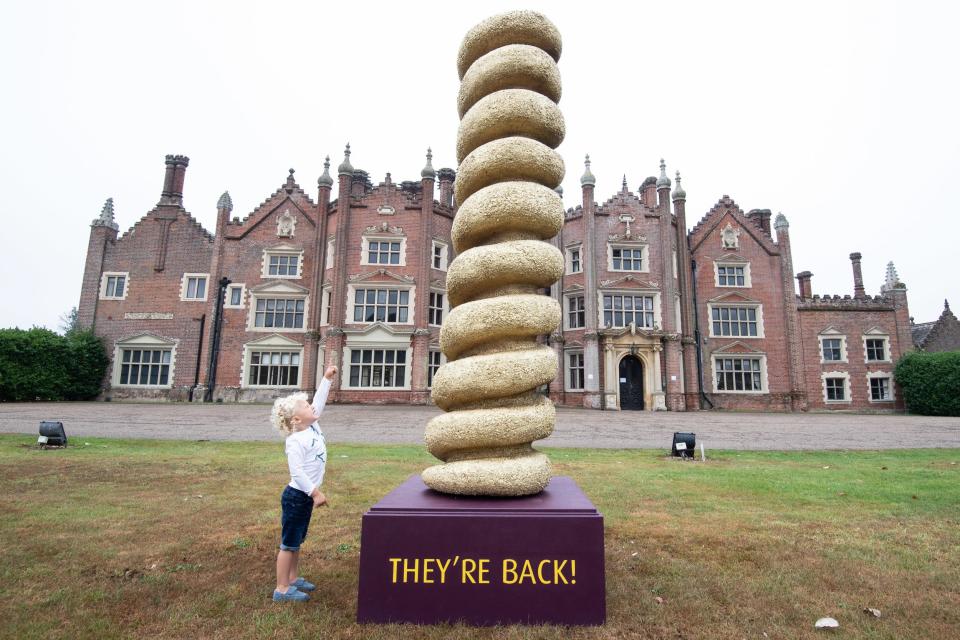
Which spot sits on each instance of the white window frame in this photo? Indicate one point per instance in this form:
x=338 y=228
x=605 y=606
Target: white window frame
x=144 y=342
x=566 y=310
x=276 y=344
x=889 y=378
x=747 y=279
x=227 y=297
x=569 y=258
x=644 y=256
x=888 y=357
x=567 y=370
x=742 y=305
x=444 y=255
x=657 y=312
x=359 y=346
x=443 y=361
x=352 y=294
x=282 y=251
x=844 y=356
x=185 y=279
x=365 y=249
x=847 y=396
x=326 y=295
x=104 y=279
x=444 y=307
x=764 y=380
x=331 y=246
x=277 y=291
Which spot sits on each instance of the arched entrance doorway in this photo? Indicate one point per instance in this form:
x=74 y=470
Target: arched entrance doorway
x=631 y=383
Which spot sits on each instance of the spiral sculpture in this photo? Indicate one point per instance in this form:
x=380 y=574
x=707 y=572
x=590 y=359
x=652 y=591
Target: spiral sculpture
x=509 y=127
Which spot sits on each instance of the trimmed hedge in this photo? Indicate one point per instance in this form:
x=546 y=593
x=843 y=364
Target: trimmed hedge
x=38 y=364
x=930 y=382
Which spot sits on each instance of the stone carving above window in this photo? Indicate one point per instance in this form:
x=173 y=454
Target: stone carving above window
x=384 y=227
x=286 y=224
x=386 y=210
x=730 y=237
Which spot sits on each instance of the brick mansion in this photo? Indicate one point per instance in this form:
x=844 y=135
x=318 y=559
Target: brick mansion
x=656 y=315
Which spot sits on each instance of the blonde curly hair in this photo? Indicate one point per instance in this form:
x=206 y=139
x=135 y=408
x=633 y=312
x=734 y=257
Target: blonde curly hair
x=282 y=412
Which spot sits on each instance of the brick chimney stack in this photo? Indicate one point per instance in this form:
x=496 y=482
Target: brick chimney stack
x=446 y=177
x=806 y=288
x=173 y=178
x=858 y=291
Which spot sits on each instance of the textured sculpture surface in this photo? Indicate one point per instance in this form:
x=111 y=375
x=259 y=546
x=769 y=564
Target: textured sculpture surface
x=510 y=125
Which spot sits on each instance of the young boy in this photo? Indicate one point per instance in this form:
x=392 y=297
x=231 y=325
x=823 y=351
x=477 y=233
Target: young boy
x=307 y=459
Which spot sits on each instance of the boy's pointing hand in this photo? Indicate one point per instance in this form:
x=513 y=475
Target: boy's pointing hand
x=330 y=373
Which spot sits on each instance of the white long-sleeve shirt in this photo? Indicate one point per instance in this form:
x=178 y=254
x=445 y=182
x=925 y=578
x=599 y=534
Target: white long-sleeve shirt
x=307 y=449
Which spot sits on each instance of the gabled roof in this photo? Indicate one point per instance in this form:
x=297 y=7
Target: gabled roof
x=267 y=209
x=191 y=221
x=725 y=208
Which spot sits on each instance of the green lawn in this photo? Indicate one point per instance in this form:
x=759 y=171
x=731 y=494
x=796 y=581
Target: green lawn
x=137 y=538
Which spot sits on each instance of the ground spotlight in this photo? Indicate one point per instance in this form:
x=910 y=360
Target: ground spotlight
x=52 y=433
x=684 y=445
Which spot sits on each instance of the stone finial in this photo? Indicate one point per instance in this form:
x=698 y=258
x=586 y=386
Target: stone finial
x=587 y=179
x=623 y=186
x=780 y=222
x=559 y=190
x=678 y=192
x=891 y=280
x=325 y=180
x=345 y=168
x=428 y=171
x=663 y=181
x=106 y=217
x=290 y=180
x=225 y=203
x=946 y=305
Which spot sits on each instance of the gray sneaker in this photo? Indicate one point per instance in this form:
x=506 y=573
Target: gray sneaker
x=292 y=595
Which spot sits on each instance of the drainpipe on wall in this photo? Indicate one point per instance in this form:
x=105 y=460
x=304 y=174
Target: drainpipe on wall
x=697 y=338
x=215 y=340
x=196 y=371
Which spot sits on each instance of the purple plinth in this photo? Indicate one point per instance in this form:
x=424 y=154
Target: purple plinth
x=428 y=557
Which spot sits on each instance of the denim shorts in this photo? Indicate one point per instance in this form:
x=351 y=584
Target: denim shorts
x=296 y=507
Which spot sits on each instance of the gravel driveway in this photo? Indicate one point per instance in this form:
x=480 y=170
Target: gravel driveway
x=404 y=424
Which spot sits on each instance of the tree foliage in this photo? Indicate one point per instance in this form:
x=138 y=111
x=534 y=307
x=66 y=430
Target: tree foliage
x=38 y=364
x=930 y=382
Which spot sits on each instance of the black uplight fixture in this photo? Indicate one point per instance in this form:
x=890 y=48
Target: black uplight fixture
x=684 y=445
x=52 y=434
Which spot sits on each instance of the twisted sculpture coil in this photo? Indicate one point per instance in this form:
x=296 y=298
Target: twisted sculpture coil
x=508 y=170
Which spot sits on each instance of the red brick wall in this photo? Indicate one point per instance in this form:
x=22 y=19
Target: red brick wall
x=757 y=248
x=852 y=319
x=151 y=291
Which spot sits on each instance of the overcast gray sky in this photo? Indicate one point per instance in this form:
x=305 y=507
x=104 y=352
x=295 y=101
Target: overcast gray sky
x=842 y=115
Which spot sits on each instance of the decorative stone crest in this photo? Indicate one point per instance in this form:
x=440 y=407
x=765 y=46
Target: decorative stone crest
x=618 y=237
x=730 y=237
x=386 y=210
x=286 y=224
x=626 y=218
x=384 y=227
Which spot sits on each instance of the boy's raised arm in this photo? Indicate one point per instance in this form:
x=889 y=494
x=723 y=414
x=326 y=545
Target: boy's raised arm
x=320 y=398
